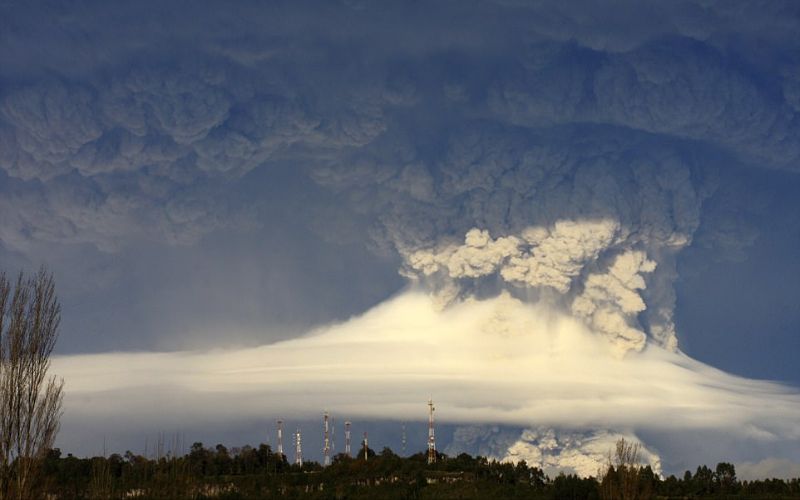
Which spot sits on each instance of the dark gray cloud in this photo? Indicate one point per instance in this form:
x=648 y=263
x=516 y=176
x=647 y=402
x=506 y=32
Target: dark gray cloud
x=673 y=88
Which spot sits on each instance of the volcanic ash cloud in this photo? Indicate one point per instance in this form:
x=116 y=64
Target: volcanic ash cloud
x=579 y=262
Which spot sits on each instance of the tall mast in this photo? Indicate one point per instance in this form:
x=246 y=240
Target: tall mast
x=298 y=449
x=403 y=439
x=347 y=438
x=280 y=437
x=333 y=436
x=327 y=448
x=431 y=436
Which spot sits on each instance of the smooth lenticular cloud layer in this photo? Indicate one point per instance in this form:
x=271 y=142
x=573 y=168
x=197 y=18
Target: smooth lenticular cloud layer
x=491 y=361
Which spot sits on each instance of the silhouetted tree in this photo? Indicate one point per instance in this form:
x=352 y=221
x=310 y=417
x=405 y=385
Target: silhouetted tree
x=385 y=476
x=30 y=402
x=703 y=481
x=726 y=477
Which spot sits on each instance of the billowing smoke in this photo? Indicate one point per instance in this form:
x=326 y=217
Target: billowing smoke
x=575 y=173
x=592 y=226
x=585 y=453
x=145 y=154
x=609 y=300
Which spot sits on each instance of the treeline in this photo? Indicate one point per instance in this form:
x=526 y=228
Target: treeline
x=248 y=472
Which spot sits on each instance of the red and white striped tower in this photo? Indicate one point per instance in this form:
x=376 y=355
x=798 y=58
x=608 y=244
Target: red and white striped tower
x=280 y=437
x=366 y=446
x=327 y=449
x=431 y=436
x=298 y=449
x=347 y=438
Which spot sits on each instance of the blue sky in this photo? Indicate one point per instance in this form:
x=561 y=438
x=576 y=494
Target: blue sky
x=200 y=176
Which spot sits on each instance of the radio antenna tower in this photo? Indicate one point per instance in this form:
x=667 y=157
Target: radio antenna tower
x=403 y=438
x=333 y=436
x=366 y=447
x=431 y=436
x=280 y=437
x=347 y=438
x=298 y=449
x=327 y=449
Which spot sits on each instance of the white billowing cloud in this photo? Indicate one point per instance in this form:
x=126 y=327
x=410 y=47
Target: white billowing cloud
x=582 y=453
x=554 y=450
x=539 y=256
x=493 y=361
x=610 y=300
x=479 y=256
x=566 y=258
x=559 y=255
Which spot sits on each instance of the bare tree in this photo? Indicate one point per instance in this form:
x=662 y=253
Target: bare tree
x=30 y=401
x=627 y=458
x=621 y=480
